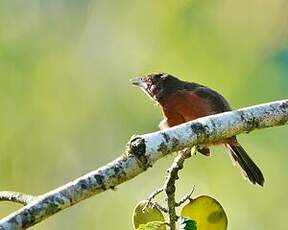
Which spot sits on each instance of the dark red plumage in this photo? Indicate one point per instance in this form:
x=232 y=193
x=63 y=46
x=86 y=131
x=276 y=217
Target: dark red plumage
x=182 y=101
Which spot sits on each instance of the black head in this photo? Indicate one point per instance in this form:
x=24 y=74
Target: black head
x=156 y=85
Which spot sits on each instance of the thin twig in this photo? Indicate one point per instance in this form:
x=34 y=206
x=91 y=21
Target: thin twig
x=17 y=197
x=185 y=198
x=152 y=196
x=157 y=205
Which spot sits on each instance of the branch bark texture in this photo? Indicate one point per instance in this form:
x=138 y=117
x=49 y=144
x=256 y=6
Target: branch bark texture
x=16 y=197
x=170 y=186
x=142 y=152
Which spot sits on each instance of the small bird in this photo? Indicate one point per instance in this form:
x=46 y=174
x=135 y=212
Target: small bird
x=182 y=101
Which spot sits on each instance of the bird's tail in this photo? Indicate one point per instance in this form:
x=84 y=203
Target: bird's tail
x=250 y=169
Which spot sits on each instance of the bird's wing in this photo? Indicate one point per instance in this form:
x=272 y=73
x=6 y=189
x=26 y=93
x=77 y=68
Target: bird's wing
x=188 y=104
x=200 y=102
x=217 y=102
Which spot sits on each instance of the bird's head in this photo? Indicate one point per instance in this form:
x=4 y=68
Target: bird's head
x=156 y=85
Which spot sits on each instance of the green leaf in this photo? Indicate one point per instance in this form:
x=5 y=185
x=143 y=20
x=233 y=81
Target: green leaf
x=155 y=225
x=187 y=224
x=142 y=217
x=207 y=212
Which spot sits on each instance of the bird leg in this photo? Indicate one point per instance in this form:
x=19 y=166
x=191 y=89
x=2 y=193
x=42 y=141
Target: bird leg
x=204 y=151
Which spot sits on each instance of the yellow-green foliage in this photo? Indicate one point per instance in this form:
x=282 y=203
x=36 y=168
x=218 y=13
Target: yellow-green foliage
x=207 y=212
x=143 y=215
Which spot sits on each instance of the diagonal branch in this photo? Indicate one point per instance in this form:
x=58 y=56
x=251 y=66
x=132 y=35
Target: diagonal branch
x=142 y=152
x=185 y=198
x=17 y=197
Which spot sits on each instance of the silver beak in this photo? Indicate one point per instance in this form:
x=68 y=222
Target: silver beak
x=138 y=81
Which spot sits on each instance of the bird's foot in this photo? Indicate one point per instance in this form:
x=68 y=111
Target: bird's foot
x=204 y=151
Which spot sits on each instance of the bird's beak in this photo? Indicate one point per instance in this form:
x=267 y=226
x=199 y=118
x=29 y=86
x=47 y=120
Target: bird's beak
x=138 y=81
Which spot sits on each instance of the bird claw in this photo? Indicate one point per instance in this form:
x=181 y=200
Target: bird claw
x=204 y=151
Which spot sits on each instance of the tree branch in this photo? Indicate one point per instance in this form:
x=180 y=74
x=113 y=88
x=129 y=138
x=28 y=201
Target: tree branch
x=152 y=196
x=185 y=198
x=170 y=187
x=142 y=152
x=17 y=197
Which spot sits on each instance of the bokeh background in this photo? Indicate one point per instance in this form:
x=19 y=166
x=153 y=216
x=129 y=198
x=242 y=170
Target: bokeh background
x=67 y=106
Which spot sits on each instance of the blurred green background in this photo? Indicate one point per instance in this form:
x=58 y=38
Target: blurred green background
x=67 y=106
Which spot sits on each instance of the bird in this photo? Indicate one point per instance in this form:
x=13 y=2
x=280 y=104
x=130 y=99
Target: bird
x=182 y=101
